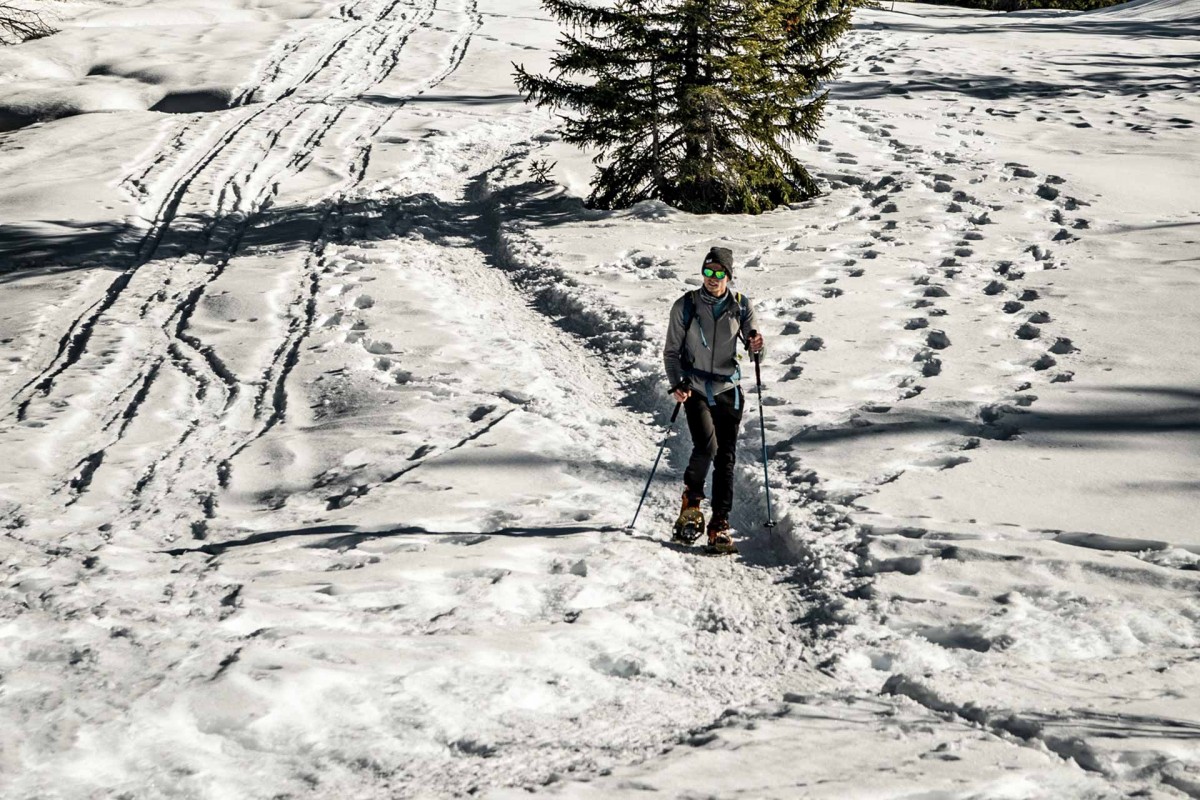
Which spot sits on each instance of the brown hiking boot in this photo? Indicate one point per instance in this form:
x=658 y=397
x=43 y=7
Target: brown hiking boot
x=719 y=539
x=690 y=500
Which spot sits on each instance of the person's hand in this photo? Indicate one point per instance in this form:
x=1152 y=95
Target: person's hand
x=681 y=394
x=756 y=343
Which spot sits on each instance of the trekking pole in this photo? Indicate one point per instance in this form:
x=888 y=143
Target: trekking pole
x=655 y=467
x=762 y=427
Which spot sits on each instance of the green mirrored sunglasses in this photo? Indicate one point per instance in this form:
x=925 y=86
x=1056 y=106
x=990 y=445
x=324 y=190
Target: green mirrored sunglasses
x=709 y=272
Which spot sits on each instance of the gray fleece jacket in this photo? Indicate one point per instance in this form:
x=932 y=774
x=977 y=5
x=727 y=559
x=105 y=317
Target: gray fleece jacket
x=708 y=345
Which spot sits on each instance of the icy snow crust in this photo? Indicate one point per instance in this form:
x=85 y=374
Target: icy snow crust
x=325 y=421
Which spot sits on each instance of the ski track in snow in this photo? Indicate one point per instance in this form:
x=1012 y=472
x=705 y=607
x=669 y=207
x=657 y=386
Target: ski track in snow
x=277 y=515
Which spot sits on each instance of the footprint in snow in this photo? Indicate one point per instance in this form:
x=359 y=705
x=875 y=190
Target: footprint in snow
x=938 y=340
x=480 y=412
x=1038 y=253
x=421 y=452
x=1044 y=362
x=943 y=462
x=931 y=365
x=1028 y=332
x=792 y=374
x=1047 y=192
x=1062 y=345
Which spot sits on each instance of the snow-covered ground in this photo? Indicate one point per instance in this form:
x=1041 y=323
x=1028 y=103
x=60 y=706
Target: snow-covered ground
x=326 y=420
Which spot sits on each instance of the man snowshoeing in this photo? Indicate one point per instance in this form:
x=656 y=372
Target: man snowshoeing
x=701 y=360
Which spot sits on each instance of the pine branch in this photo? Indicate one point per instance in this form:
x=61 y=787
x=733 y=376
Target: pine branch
x=19 y=24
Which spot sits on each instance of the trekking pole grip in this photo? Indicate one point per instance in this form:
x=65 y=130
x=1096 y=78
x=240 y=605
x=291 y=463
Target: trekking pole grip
x=757 y=375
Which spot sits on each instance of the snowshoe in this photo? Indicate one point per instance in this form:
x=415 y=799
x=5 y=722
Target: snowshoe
x=720 y=542
x=690 y=523
x=689 y=526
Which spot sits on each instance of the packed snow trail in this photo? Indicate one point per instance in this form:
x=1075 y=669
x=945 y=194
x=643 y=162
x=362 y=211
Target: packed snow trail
x=321 y=469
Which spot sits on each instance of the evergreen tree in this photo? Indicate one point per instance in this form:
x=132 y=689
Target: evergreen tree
x=693 y=102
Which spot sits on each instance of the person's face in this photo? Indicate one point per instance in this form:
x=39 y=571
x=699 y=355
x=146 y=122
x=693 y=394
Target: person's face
x=715 y=286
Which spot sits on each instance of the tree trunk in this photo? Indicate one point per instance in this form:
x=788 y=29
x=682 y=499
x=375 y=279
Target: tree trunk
x=691 y=73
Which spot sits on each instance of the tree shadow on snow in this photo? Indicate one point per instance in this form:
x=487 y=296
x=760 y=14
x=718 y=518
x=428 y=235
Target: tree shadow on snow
x=995 y=88
x=46 y=247
x=993 y=24
x=1010 y=422
x=347 y=537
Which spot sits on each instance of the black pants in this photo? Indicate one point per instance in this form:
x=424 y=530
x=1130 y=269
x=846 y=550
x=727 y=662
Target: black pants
x=714 y=443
